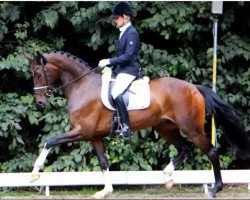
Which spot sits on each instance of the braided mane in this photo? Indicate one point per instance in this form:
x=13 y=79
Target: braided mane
x=73 y=58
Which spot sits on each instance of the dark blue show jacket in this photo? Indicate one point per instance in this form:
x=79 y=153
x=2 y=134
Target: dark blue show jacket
x=126 y=60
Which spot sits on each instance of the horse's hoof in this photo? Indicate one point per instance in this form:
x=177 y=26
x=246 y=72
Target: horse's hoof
x=168 y=180
x=101 y=194
x=211 y=195
x=34 y=177
x=97 y=196
x=169 y=184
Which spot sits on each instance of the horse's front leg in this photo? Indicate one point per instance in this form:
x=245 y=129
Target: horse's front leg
x=100 y=149
x=70 y=136
x=39 y=164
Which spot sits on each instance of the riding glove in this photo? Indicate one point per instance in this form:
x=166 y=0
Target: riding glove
x=103 y=63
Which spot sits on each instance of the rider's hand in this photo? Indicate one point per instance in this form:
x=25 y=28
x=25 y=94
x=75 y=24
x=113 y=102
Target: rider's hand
x=103 y=63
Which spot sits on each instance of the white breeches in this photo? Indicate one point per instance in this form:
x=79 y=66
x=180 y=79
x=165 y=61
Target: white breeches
x=122 y=81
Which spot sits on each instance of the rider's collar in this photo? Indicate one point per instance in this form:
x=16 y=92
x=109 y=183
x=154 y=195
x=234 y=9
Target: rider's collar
x=122 y=29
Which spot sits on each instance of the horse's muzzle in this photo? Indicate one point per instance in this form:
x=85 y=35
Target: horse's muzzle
x=41 y=104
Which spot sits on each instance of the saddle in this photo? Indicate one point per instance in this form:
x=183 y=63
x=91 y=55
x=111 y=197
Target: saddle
x=136 y=97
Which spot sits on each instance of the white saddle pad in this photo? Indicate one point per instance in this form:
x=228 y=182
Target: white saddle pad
x=139 y=93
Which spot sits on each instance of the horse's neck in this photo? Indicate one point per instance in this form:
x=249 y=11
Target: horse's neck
x=80 y=95
x=69 y=67
x=70 y=70
x=83 y=90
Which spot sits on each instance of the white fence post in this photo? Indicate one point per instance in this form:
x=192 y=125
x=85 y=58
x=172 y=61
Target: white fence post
x=47 y=191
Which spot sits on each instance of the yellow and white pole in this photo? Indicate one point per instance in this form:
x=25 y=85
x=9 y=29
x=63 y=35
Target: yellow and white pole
x=216 y=10
x=217 y=7
x=215 y=31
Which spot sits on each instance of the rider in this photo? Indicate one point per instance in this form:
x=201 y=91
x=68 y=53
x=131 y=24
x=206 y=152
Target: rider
x=125 y=64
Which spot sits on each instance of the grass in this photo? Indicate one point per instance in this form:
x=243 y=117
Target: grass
x=120 y=190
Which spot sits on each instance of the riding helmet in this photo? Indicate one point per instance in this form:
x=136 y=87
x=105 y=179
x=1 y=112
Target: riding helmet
x=122 y=8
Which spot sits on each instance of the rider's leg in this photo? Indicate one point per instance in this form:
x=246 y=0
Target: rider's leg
x=122 y=81
x=122 y=109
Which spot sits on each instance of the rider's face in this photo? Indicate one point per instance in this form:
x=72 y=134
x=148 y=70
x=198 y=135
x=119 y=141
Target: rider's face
x=120 y=21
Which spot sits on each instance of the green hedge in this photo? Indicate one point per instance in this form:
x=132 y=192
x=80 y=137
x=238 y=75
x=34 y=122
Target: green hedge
x=176 y=41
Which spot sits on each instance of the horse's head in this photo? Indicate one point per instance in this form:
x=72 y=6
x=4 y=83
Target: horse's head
x=44 y=76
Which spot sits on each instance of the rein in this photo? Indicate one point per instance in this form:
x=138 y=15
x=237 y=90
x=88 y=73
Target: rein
x=54 y=90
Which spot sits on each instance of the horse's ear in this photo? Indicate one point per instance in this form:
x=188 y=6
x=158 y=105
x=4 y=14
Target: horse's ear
x=40 y=58
x=28 y=57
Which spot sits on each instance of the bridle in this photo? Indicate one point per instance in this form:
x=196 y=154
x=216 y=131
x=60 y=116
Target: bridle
x=48 y=90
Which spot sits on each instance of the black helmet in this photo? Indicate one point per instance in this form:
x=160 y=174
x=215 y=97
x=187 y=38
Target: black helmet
x=122 y=8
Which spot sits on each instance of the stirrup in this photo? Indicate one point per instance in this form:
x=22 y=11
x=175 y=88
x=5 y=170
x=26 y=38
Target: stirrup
x=115 y=125
x=124 y=132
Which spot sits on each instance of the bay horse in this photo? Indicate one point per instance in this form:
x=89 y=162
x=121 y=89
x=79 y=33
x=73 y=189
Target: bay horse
x=177 y=107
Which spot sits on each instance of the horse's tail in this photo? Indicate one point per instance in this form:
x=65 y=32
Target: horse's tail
x=226 y=116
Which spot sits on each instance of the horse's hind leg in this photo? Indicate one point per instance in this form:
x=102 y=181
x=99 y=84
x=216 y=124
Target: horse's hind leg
x=194 y=129
x=190 y=118
x=171 y=133
x=201 y=141
x=100 y=152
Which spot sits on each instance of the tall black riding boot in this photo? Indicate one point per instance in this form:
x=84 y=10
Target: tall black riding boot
x=123 y=112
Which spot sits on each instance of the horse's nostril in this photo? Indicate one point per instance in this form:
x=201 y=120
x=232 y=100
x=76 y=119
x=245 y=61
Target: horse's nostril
x=41 y=104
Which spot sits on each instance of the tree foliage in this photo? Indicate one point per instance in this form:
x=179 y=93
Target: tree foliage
x=176 y=40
